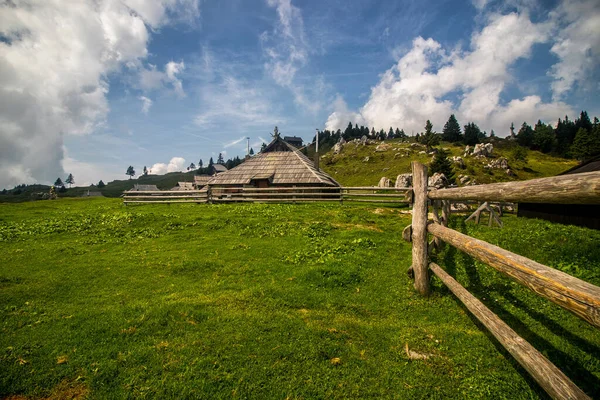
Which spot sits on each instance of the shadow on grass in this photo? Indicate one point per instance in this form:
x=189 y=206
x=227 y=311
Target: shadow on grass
x=451 y=259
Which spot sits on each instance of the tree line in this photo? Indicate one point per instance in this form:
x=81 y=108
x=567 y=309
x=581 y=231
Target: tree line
x=579 y=139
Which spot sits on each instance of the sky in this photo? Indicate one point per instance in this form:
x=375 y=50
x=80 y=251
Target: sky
x=90 y=87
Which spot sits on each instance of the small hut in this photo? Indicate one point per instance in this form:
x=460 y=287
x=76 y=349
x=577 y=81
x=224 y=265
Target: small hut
x=144 y=188
x=217 y=169
x=294 y=141
x=278 y=165
x=569 y=214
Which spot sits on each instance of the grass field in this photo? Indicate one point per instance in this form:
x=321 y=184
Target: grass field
x=259 y=301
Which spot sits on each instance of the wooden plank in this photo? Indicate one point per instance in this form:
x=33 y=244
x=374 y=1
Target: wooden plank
x=546 y=374
x=399 y=196
x=127 y=192
x=419 y=228
x=565 y=189
x=573 y=294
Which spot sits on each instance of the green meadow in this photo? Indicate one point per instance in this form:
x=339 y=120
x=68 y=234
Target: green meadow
x=255 y=301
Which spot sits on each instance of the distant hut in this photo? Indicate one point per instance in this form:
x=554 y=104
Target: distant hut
x=201 y=181
x=144 y=188
x=294 y=141
x=280 y=164
x=184 y=186
x=89 y=193
x=217 y=169
x=569 y=214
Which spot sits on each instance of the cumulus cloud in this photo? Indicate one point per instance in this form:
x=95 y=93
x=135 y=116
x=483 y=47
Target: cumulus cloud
x=54 y=61
x=341 y=115
x=423 y=82
x=146 y=104
x=176 y=164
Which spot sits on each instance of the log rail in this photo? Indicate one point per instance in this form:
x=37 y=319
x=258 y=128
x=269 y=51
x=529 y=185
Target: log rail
x=577 y=296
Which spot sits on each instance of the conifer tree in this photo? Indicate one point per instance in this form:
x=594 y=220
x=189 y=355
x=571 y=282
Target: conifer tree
x=430 y=138
x=472 y=134
x=70 y=180
x=586 y=144
x=442 y=164
x=451 y=132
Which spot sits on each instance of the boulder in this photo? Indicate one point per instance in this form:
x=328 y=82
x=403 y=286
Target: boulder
x=483 y=150
x=458 y=161
x=337 y=148
x=384 y=182
x=366 y=159
x=364 y=140
x=382 y=147
x=438 y=181
x=467 y=151
x=501 y=163
x=404 y=181
x=463 y=179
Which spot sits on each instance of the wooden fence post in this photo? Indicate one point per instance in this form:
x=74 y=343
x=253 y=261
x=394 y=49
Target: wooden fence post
x=419 y=228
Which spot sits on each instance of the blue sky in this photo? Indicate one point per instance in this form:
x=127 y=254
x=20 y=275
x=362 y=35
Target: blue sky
x=94 y=88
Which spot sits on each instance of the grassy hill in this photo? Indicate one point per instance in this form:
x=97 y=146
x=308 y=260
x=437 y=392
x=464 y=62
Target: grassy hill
x=358 y=165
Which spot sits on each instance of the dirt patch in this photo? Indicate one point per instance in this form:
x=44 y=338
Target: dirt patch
x=357 y=226
x=65 y=390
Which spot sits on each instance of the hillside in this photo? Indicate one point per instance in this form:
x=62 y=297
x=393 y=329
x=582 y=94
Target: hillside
x=112 y=189
x=364 y=165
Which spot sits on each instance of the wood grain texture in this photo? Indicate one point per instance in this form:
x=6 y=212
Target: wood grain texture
x=565 y=189
x=579 y=297
x=546 y=374
x=419 y=228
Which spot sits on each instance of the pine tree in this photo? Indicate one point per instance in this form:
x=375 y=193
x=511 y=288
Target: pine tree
x=130 y=172
x=200 y=164
x=472 y=134
x=390 y=134
x=101 y=184
x=145 y=172
x=430 y=138
x=525 y=135
x=263 y=146
x=373 y=134
x=220 y=159
x=586 y=144
x=451 y=132
x=70 y=180
x=210 y=164
x=543 y=137
x=442 y=164
x=58 y=182
x=583 y=122
x=192 y=167
x=251 y=151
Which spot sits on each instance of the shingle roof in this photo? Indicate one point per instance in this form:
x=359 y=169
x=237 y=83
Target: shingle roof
x=201 y=180
x=279 y=162
x=144 y=188
x=219 y=168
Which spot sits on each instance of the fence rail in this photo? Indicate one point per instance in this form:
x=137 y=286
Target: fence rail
x=273 y=195
x=573 y=294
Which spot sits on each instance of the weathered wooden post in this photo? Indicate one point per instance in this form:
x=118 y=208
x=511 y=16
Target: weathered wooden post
x=419 y=228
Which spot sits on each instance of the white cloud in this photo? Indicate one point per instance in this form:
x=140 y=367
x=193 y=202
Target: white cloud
x=234 y=142
x=86 y=173
x=419 y=87
x=340 y=117
x=577 y=43
x=146 y=104
x=176 y=164
x=286 y=52
x=153 y=79
x=54 y=61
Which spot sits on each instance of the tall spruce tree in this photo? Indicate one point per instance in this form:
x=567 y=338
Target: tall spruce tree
x=451 y=132
x=58 y=182
x=586 y=144
x=70 y=180
x=525 y=135
x=220 y=159
x=441 y=163
x=472 y=134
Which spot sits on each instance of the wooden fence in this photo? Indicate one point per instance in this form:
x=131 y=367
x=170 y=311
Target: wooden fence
x=273 y=195
x=573 y=294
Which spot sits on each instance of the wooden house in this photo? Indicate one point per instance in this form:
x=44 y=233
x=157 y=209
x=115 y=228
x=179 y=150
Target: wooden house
x=570 y=214
x=182 y=186
x=279 y=165
x=144 y=188
x=217 y=169
x=294 y=141
x=201 y=181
